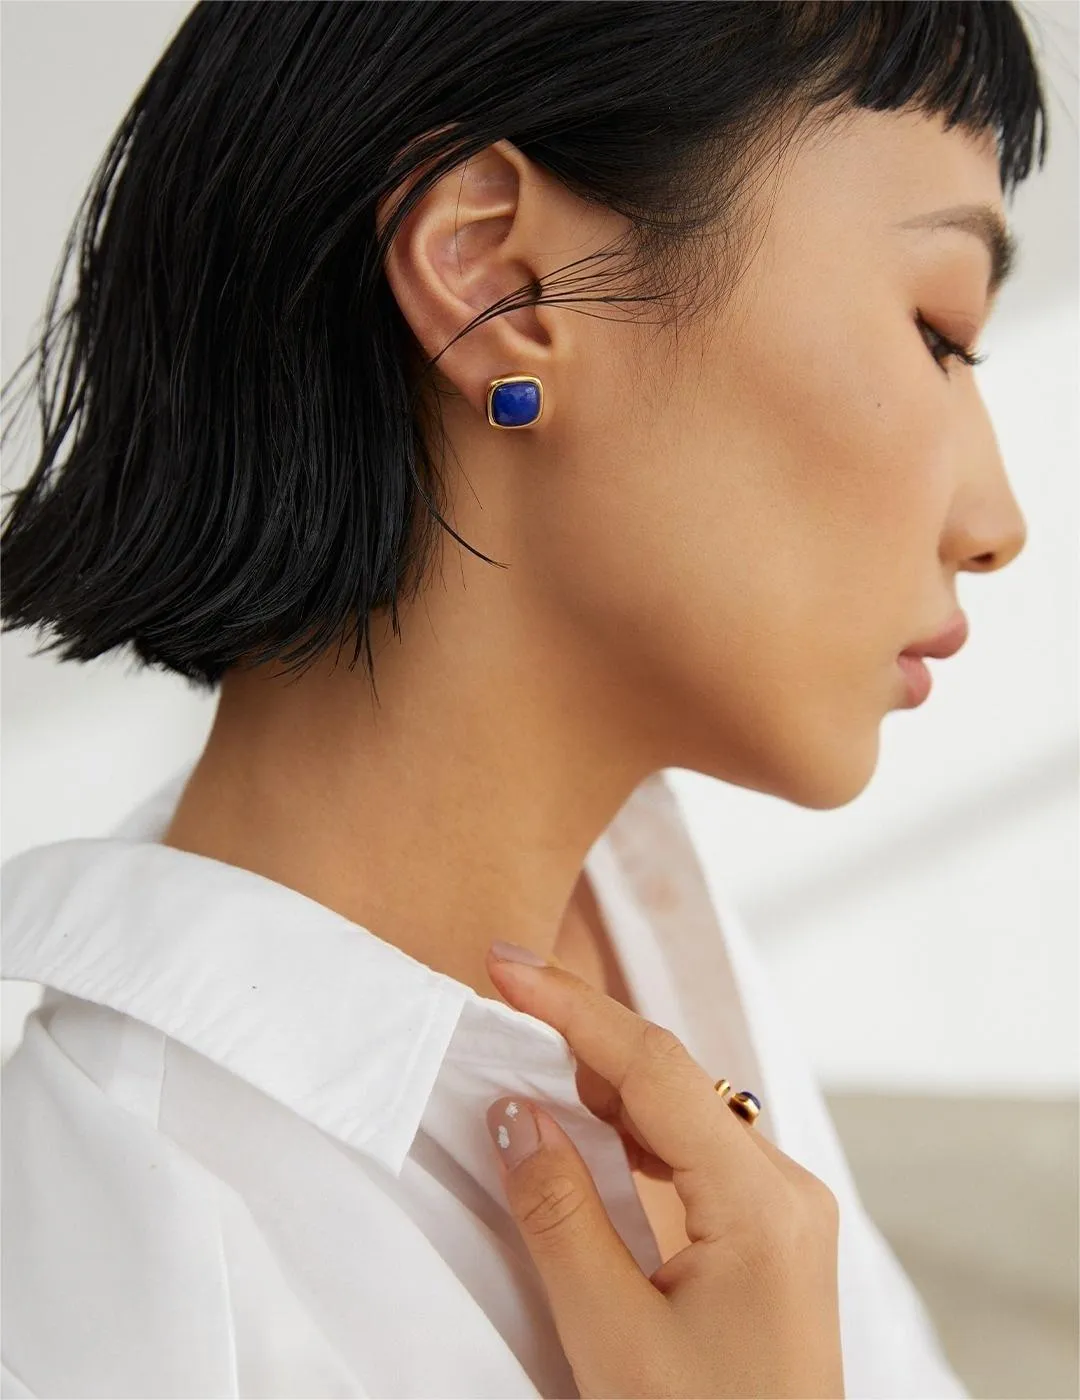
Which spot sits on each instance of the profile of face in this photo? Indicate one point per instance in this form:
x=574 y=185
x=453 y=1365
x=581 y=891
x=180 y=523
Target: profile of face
x=721 y=532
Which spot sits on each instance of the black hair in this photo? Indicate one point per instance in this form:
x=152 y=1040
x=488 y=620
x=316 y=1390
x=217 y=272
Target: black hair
x=247 y=475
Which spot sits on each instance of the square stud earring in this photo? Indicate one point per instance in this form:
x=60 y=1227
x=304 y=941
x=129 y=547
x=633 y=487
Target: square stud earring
x=515 y=401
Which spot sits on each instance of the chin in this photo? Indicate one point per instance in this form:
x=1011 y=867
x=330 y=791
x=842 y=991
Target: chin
x=822 y=789
x=819 y=775
x=821 y=766
x=837 y=779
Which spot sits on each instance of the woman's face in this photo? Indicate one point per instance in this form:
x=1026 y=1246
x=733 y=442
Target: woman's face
x=739 y=527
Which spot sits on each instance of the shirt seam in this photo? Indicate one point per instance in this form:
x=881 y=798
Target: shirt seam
x=230 y=1312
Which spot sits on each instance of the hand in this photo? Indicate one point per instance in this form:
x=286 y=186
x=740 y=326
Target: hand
x=750 y=1308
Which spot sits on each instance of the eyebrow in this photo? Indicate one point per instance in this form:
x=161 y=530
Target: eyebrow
x=986 y=223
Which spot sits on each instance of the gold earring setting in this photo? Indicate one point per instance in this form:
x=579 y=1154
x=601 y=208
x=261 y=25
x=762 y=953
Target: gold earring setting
x=515 y=401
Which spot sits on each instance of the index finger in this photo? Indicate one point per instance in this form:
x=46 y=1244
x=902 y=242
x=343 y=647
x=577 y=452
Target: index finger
x=669 y=1096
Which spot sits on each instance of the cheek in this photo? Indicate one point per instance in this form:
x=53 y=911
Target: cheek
x=703 y=509
x=751 y=550
x=850 y=483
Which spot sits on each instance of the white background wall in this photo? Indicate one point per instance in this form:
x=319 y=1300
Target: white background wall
x=925 y=936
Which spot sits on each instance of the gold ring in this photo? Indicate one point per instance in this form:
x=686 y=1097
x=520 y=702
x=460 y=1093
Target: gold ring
x=744 y=1103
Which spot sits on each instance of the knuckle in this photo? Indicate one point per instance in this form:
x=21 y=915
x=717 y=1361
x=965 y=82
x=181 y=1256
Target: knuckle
x=784 y=1232
x=820 y=1200
x=829 y=1208
x=660 y=1043
x=829 y=1204
x=810 y=1217
x=551 y=1205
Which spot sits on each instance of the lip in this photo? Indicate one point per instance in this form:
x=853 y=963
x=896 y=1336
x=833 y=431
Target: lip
x=917 y=677
x=945 y=643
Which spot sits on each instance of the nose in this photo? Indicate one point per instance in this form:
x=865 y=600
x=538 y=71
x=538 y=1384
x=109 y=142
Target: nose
x=987 y=528
x=996 y=548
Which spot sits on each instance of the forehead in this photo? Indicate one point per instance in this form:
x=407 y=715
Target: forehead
x=828 y=207
x=856 y=178
x=891 y=160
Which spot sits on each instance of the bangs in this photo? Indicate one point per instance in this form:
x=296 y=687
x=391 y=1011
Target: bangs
x=968 y=61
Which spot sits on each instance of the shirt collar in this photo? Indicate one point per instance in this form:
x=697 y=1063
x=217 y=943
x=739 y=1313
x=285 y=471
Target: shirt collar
x=311 y=1008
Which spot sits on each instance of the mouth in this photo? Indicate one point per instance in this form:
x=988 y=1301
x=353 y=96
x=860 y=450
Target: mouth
x=913 y=668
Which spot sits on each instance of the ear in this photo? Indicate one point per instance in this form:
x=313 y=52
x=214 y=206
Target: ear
x=476 y=238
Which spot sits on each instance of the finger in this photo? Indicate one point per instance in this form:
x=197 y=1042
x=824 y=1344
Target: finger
x=601 y=1099
x=669 y=1099
x=593 y=1283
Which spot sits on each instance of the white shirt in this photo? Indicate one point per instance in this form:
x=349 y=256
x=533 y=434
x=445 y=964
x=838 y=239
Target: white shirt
x=244 y=1147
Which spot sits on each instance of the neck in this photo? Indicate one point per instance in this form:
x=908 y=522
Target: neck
x=458 y=811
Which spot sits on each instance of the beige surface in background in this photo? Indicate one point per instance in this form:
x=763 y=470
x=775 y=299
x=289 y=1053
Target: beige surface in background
x=979 y=1200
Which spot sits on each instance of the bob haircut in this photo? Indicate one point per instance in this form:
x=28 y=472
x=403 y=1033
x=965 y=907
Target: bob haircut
x=246 y=477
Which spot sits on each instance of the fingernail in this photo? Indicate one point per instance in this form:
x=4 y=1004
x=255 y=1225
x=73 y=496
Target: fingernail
x=511 y=952
x=513 y=1130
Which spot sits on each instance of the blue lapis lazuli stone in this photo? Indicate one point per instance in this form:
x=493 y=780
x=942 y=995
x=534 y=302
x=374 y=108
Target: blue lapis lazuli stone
x=748 y=1095
x=513 y=405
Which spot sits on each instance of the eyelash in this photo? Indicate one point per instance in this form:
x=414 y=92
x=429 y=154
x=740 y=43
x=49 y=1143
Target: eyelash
x=949 y=348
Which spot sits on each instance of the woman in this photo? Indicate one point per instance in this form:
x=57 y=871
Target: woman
x=601 y=375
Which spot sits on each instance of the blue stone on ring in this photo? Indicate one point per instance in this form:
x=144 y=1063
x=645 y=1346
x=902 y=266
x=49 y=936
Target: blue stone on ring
x=746 y=1094
x=515 y=405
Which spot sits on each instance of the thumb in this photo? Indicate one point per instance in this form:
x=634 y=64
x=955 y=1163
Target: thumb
x=594 y=1285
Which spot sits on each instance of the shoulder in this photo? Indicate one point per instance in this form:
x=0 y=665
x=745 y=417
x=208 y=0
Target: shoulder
x=136 y=1269
x=111 y=1233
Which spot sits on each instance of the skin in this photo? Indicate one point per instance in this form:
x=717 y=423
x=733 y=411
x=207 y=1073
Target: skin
x=716 y=548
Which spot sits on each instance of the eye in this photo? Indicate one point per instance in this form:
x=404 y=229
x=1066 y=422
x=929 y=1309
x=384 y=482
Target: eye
x=943 y=348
